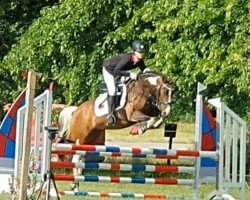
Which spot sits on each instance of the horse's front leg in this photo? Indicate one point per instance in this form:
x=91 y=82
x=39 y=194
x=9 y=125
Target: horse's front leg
x=164 y=114
x=138 y=130
x=153 y=122
x=158 y=122
x=149 y=124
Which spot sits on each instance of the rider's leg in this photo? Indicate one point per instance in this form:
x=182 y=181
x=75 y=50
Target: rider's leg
x=111 y=106
x=110 y=82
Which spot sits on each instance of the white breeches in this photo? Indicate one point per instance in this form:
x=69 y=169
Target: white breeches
x=110 y=82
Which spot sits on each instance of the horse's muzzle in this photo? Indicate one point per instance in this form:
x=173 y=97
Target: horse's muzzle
x=166 y=111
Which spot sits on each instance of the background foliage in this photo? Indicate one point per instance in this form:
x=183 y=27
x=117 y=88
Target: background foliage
x=189 y=40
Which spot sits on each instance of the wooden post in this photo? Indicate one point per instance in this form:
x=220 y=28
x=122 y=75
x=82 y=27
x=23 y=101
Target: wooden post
x=30 y=93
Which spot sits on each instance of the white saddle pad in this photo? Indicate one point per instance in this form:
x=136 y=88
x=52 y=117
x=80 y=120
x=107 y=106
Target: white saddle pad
x=101 y=103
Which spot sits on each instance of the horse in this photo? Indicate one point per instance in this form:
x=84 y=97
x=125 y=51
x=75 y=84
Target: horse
x=147 y=100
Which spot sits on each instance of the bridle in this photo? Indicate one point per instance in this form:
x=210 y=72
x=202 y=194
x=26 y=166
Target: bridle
x=157 y=95
x=153 y=98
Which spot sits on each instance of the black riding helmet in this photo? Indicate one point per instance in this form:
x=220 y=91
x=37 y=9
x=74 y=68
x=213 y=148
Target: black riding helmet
x=139 y=46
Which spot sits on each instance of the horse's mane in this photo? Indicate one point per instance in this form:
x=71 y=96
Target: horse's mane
x=142 y=79
x=149 y=74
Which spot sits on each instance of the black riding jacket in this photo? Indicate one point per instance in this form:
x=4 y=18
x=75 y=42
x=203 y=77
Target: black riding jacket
x=120 y=64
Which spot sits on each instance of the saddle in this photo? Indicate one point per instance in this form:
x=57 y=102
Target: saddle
x=101 y=103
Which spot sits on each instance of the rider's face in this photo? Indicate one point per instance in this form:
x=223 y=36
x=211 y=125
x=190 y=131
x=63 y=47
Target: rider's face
x=139 y=55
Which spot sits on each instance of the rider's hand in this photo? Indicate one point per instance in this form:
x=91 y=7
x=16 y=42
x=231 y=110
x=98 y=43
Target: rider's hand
x=133 y=76
x=146 y=70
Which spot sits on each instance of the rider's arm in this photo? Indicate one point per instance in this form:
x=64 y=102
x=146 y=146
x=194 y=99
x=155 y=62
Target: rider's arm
x=141 y=65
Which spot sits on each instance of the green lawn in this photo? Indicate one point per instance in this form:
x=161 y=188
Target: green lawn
x=185 y=134
x=135 y=188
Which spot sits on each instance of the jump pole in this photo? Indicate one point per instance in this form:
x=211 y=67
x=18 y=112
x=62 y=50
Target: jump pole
x=30 y=93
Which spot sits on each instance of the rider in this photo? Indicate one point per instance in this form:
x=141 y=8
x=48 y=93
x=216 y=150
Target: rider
x=119 y=66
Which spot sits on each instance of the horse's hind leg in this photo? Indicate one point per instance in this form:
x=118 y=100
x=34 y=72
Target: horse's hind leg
x=95 y=137
x=76 y=171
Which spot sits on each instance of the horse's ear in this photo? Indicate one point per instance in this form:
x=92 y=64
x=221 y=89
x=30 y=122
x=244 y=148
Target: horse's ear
x=168 y=80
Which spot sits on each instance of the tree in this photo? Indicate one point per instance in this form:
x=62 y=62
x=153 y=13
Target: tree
x=15 y=18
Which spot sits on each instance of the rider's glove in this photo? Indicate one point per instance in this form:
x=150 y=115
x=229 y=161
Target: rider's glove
x=146 y=70
x=133 y=76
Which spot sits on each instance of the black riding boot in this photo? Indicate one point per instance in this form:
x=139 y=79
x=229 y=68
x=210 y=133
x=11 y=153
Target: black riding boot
x=111 y=106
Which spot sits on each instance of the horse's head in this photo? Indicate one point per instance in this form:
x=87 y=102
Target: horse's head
x=162 y=91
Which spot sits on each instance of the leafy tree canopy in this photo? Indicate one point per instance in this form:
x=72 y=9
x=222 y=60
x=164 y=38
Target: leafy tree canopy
x=15 y=18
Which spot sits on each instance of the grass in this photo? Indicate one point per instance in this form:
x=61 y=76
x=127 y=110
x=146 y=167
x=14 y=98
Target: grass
x=185 y=134
x=180 y=191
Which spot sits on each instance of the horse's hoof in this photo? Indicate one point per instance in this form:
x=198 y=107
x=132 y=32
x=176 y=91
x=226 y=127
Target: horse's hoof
x=134 y=130
x=74 y=187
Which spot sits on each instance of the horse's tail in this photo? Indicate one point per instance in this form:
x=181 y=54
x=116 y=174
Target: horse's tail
x=65 y=117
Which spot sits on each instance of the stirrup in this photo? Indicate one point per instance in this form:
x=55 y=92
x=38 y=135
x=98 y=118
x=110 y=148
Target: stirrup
x=111 y=119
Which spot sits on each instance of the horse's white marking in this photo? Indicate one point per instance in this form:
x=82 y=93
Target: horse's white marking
x=153 y=80
x=167 y=110
x=158 y=122
x=168 y=107
x=169 y=96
